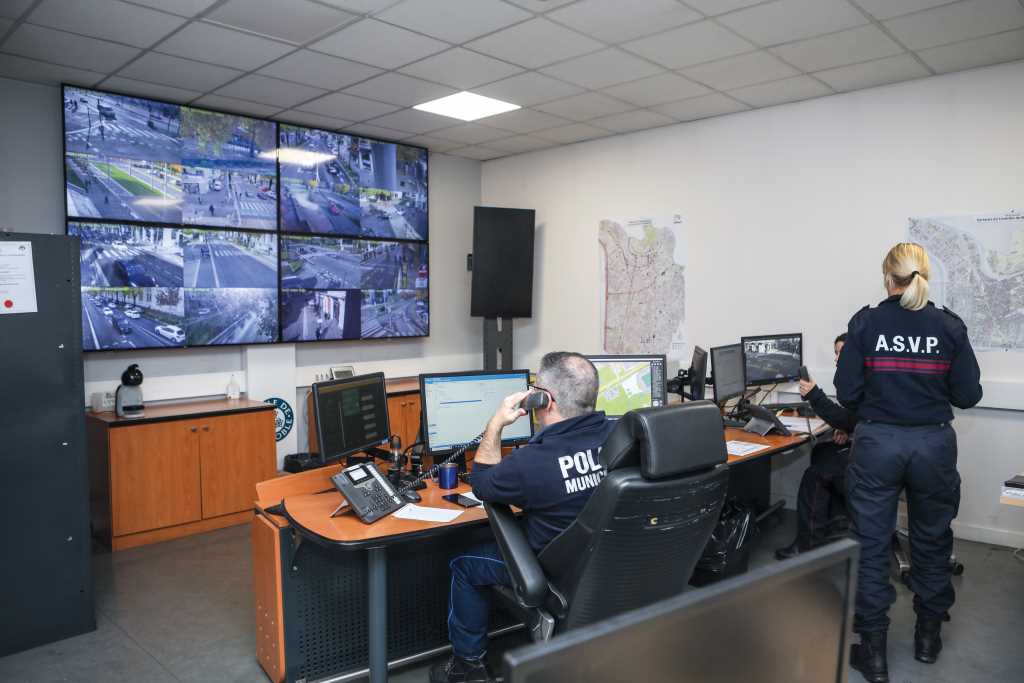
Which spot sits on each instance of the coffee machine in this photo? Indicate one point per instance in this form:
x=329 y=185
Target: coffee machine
x=128 y=400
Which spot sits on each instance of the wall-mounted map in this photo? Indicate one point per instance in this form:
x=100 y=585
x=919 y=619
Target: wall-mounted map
x=978 y=273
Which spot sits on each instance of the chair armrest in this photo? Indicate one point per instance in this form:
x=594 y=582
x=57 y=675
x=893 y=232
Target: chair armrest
x=528 y=579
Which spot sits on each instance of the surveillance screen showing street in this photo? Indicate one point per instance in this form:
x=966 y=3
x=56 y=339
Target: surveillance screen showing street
x=772 y=358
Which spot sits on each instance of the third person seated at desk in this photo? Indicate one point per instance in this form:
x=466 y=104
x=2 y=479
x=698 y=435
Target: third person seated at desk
x=550 y=479
x=821 y=501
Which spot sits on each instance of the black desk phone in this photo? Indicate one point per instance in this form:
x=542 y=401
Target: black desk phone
x=763 y=421
x=369 y=492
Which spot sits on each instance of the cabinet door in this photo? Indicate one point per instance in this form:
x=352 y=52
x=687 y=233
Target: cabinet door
x=396 y=416
x=154 y=476
x=236 y=452
x=412 y=419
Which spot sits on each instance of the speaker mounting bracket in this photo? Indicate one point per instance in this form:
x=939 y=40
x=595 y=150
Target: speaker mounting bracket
x=498 y=344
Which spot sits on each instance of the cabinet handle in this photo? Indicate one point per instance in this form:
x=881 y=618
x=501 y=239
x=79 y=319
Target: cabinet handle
x=206 y=428
x=193 y=429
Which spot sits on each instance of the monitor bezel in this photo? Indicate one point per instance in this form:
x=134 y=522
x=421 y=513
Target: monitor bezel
x=316 y=388
x=649 y=357
x=712 y=352
x=774 y=380
x=703 y=379
x=425 y=418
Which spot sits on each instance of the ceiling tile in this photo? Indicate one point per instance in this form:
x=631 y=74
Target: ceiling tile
x=714 y=7
x=178 y=72
x=960 y=21
x=528 y=89
x=414 y=121
x=130 y=86
x=780 y=92
x=432 y=143
x=540 y=5
x=869 y=74
x=601 y=69
x=304 y=118
x=50 y=45
x=297 y=21
x=453 y=20
x=379 y=44
x=695 y=108
x=785 y=20
x=524 y=121
x=186 y=8
x=478 y=153
x=589 y=105
x=641 y=119
x=1004 y=47
x=342 y=106
x=270 y=91
x=688 y=45
x=461 y=68
x=616 y=21
x=378 y=132
x=396 y=88
x=666 y=87
x=739 y=71
x=319 y=70
x=106 y=19
x=575 y=132
x=219 y=45
x=41 y=72
x=230 y=104
x=360 y=6
x=472 y=134
x=519 y=143
x=887 y=9
x=13 y=9
x=535 y=43
x=846 y=47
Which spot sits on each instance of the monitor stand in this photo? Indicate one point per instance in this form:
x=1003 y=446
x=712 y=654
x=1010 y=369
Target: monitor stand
x=498 y=344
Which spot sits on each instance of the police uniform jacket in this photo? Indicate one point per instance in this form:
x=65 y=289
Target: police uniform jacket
x=551 y=478
x=907 y=367
x=831 y=412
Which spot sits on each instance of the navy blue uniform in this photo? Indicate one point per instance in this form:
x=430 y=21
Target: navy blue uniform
x=550 y=479
x=901 y=371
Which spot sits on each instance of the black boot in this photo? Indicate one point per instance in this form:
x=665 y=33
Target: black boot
x=869 y=657
x=799 y=545
x=927 y=639
x=458 y=670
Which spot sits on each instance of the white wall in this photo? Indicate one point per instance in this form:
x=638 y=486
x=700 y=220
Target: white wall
x=790 y=211
x=32 y=200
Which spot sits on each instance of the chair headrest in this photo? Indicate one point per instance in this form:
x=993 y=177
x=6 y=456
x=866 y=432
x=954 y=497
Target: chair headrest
x=667 y=441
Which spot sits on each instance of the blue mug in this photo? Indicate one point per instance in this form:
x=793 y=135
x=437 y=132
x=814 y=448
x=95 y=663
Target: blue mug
x=448 y=475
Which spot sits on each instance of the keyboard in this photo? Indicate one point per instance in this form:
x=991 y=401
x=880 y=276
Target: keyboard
x=737 y=424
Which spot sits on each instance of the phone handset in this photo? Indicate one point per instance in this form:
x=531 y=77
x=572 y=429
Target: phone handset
x=535 y=400
x=804 y=375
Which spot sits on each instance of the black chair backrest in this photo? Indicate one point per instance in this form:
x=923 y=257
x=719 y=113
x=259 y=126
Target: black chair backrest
x=643 y=530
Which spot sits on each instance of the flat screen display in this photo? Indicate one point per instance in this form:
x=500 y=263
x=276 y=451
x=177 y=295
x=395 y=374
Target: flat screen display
x=627 y=383
x=457 y=406
x=773 y=358
x=208 y=228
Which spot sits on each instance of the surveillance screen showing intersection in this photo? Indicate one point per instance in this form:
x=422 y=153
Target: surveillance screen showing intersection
x=202 y=228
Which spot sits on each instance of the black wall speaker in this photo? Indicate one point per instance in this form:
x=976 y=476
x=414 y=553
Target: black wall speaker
x=502 y=262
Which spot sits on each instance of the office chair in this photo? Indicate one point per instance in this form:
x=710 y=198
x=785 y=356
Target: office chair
x=901 y=553
x=638 y=538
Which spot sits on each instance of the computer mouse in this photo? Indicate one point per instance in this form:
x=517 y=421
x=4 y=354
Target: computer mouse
x=412 y=497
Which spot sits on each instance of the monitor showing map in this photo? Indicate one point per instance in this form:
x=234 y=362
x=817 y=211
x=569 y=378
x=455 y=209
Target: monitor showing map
x=629 y=382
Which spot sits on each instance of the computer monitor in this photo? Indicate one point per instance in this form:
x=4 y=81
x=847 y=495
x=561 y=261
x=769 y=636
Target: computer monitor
x=629 y=382
x=351 y=415
x=698 y=373
x=789 y=621
x=457 y=406
x=727 y=372
x=773 y=358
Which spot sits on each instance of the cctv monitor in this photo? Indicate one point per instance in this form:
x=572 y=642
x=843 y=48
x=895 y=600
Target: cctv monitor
x=698 y=373
x=629 y=382
x=772 y=358
x=791 y=620
x=457 y=406
x=351 y=415
x=727 y=372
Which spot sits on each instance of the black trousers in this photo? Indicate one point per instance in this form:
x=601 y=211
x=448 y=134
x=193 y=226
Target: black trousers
x=822 y=493
x=886 y=459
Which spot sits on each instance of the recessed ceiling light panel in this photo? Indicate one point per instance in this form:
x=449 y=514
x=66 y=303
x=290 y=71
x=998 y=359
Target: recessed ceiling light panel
x=466 y=106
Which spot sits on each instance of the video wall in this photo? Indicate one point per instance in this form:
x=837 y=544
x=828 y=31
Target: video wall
x=204 y=228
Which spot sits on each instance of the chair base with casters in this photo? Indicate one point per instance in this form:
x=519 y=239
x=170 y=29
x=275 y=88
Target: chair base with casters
x=901 y=553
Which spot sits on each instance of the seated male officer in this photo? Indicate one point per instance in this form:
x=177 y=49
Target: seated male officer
x=542 y=478
x=822 y=487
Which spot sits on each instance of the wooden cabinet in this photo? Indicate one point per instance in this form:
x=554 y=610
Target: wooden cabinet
x=404 y=415
x=178 y=470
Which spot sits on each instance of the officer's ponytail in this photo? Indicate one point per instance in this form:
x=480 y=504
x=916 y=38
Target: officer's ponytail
x=906 y=267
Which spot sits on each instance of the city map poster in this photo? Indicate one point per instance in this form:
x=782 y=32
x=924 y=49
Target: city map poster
x=978 y=273
x=644 y=285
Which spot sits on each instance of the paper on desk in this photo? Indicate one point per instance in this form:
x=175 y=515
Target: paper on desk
x=743 y=447
x=422 y=513
x=469 y=494
x=799 y=424
x=1012 y=492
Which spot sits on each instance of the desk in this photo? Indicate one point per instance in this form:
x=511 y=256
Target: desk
x=1011 y=500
